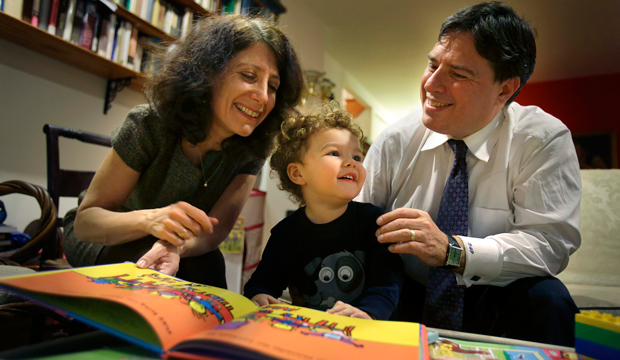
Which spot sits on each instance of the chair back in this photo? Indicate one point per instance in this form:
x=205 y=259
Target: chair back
x=62 y=182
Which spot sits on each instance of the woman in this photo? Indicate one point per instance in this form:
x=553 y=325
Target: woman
x=214 y=103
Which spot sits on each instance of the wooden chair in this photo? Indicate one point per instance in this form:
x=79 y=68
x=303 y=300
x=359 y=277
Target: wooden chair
x=61 y=182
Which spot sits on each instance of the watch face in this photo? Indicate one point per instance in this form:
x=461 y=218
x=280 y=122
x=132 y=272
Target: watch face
x=454 y=257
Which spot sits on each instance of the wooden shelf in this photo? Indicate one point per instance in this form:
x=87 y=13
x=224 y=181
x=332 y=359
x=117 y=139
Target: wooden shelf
x=194 y=6
x=41 y=41
x=142 y=25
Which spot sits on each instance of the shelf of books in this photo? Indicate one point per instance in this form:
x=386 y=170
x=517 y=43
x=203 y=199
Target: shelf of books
x=20 y=32
x=111 y=38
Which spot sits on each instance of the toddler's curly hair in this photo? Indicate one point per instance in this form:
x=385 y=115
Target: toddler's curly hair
x=293 y=140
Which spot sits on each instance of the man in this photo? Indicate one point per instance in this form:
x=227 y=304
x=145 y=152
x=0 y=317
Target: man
x=483 y=224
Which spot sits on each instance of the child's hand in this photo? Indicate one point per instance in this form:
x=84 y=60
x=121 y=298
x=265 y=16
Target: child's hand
x=264 y=299
x=344 y=309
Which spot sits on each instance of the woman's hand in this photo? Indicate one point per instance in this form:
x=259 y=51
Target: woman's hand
x=264 y=299
x=163 y=257
x=179 y=222
x=345 y=309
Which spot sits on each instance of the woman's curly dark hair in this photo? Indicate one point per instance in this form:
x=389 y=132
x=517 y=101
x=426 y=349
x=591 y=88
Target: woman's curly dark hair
x=293 y=140
x=181 y=91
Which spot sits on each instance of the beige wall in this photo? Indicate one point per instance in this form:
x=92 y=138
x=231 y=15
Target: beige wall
x=306 y=34
x=35 y=90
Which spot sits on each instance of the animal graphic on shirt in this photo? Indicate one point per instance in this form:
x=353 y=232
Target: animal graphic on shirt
x=339 y=276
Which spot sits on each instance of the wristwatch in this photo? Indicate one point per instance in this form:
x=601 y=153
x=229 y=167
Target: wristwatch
x=454 y=253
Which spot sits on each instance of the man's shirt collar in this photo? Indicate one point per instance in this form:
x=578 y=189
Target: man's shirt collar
x=480 y=143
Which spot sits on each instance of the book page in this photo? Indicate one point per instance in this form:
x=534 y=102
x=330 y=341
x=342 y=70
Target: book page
x=294 y=332
x=455 y=349
x=172 y=309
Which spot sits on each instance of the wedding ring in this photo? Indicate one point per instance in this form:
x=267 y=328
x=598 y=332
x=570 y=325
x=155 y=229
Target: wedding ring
x=182 y=234
x=412 y=235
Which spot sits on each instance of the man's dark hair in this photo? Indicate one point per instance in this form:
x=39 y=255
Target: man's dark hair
x=501 y=36
x=182 y=88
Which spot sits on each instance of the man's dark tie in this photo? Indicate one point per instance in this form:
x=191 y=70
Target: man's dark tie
x=443 y=307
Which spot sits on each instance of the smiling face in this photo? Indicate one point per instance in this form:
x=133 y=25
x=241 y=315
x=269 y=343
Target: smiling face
x=331 y=171
x=246 y=92
x=458 y=90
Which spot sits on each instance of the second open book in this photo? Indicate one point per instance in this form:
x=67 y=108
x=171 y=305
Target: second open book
x=176 y=318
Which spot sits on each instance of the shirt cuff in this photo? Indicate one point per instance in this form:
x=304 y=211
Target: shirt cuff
x=483 y=262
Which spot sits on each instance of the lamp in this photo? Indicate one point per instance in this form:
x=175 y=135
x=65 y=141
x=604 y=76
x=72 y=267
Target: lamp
x=318 y=89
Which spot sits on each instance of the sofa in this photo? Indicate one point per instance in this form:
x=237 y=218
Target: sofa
x=593 y=272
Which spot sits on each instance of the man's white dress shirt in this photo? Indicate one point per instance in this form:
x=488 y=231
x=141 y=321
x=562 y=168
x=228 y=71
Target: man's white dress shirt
x=524 y=191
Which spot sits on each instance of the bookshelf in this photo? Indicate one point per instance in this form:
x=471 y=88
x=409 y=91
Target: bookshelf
x=118 y=76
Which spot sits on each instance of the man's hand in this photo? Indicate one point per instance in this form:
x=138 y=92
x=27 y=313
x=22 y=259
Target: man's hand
x=264 y=299
x=430 y=244
x=345 y=309
x=163 y=257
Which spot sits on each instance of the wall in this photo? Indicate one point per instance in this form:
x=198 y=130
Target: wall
x=584 y=104
x=35 y=90
x=380 y=117
x=306 y=34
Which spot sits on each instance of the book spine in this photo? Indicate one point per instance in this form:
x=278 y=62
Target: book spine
x=155 y=13
x=66 y=35
x=53 y=21
x=117 y=29
x=111 y=32
x=44 y=14
x=103 y=37
x=185 y=22
x=14 y=8
x=78 y=21
x=133 y=48
x=34 y=19
x=97 y=32
x=144 y=12
x=137 y=66
x=126 y=42
x=162 y=14
x=88 y=26
x=168 y=19
x=63 y=7
x=27 y=11
x=138 y=8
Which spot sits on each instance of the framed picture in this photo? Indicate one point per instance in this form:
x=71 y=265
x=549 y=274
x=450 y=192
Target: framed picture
x=596 y=150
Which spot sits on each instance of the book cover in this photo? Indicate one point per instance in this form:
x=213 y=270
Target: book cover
x=456 y=349
x=179 y=319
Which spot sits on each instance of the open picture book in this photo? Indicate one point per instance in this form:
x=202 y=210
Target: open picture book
x=180 y=319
